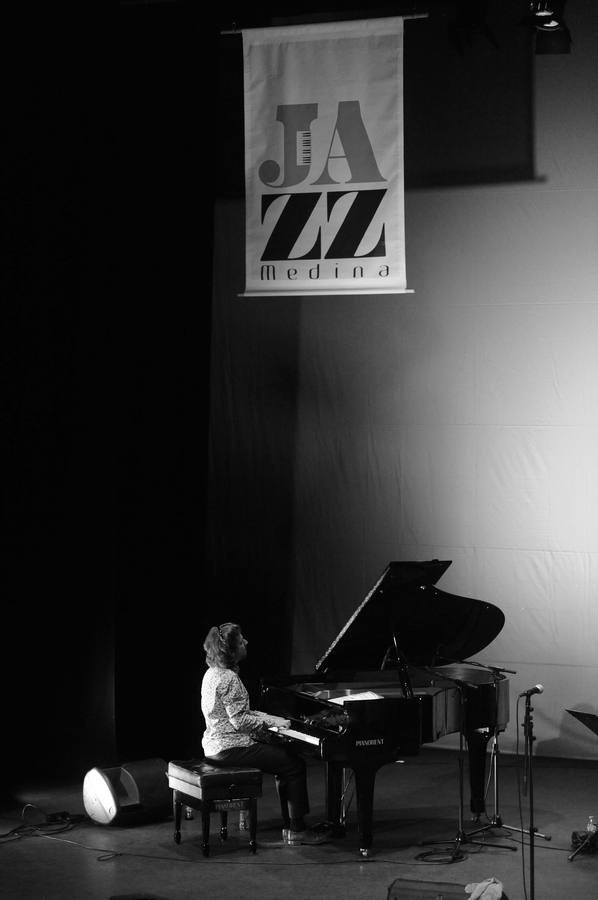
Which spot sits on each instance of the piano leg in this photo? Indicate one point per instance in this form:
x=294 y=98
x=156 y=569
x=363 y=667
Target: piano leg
x=284 y=806
x=365 y=778
x=477 y=744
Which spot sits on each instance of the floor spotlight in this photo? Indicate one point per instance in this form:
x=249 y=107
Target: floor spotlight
x=131 y=794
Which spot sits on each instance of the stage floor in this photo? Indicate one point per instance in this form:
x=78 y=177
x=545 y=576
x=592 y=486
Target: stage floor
x=414 y=802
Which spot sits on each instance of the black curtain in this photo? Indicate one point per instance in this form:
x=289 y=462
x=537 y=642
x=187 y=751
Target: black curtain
x=57 y=484
x=161 y=329
x=106 y=306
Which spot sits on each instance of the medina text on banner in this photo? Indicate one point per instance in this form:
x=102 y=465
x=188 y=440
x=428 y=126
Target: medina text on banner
x=324 y=159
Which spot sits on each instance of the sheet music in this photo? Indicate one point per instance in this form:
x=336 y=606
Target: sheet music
x=362 y=695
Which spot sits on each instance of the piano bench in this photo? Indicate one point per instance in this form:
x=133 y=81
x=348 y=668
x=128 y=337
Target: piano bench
x=208 y=788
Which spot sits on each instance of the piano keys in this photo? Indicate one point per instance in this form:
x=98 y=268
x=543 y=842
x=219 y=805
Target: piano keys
x=389 y=684
x=292 y=735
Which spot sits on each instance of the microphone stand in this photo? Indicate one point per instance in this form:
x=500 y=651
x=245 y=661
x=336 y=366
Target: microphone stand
x=496 y=820
x=461 y=836
x=527 y=776
x=528 y=730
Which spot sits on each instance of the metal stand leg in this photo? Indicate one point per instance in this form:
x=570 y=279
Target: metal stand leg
x=581 y=847
x=546 y=837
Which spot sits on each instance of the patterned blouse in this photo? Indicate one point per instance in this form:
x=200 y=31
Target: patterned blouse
x=225 y=706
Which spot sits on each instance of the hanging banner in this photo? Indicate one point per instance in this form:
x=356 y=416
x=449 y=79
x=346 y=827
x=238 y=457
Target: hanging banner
x=324 y=159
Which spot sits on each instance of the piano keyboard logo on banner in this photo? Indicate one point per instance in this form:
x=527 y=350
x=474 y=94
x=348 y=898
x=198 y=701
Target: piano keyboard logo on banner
x=323 y=227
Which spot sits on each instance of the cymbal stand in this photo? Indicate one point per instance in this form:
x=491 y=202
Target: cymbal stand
x=496 y=820
x=488 y=668
x=461 y=836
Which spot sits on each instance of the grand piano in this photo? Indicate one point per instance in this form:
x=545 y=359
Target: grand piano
x=396 y=677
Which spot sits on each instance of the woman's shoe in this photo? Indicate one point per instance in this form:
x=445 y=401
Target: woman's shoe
x=308 y=836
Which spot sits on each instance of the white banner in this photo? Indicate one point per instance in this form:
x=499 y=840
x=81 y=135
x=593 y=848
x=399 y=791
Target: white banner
x=324 y=159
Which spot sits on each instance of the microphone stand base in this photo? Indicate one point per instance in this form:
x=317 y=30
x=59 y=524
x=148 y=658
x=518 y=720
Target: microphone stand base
x=493 y=825
x=545 y=837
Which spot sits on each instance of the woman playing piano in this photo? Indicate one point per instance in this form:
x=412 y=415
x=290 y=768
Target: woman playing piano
x=232 y=731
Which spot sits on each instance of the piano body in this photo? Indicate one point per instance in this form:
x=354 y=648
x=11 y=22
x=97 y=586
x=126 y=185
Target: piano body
x=389 y=683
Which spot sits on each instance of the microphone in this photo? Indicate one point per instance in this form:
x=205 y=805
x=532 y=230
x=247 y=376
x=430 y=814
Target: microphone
x=537 y=689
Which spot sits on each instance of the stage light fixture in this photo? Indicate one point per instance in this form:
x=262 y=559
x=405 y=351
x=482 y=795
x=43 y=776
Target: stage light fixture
x=551 y=32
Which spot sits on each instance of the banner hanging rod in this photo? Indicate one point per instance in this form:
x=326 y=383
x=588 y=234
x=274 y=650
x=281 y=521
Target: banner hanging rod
x=405 y=17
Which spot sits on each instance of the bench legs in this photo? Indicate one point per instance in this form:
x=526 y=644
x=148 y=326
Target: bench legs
x=223 y=825
x=253 y=824
x=177 y=809
x=205 y=829
x=178 y=800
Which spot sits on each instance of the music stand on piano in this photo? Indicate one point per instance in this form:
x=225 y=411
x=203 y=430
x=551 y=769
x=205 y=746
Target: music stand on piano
x=587 y=719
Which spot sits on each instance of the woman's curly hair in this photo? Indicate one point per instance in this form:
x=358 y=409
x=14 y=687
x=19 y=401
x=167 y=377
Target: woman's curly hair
x=222 y=645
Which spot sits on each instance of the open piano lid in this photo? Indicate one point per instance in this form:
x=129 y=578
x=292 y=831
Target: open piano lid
x=430 y=625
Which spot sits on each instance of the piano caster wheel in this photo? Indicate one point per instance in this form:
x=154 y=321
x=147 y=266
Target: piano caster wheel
x=365 y=852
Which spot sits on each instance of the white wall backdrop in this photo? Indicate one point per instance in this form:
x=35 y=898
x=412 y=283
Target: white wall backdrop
x=460 y=422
